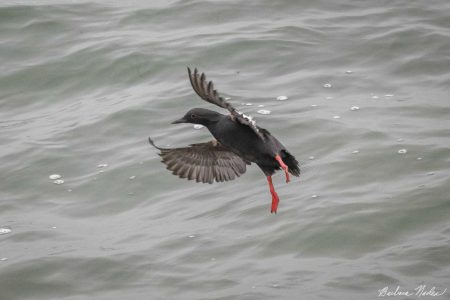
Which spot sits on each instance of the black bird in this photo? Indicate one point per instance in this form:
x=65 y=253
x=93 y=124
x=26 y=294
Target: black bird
x=238 y=142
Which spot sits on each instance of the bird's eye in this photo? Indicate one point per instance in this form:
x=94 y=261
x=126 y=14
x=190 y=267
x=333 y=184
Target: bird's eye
x=193 y=116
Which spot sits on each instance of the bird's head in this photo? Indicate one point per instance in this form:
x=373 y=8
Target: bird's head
x=199 y=116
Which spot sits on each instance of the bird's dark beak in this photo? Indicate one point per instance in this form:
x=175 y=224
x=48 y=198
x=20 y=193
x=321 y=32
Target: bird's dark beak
x=182 y=120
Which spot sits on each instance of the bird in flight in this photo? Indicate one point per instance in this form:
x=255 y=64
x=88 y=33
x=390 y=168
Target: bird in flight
x=238 y=142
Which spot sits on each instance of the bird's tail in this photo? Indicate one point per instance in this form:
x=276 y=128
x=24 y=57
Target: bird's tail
x=292 y=163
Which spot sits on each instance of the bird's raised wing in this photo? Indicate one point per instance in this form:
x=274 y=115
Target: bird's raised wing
x=203 y=162
x=207 y=92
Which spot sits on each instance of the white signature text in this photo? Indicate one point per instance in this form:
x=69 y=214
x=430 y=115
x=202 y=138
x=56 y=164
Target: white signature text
x=420 y=291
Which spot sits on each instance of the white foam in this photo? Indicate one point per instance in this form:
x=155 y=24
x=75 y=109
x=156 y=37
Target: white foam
x=5 y=230
x=402 y=151
x=264 y=112
x=54 y=176
x=282 y=98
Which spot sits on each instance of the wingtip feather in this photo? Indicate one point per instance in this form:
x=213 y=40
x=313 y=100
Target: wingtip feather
x=153 y=143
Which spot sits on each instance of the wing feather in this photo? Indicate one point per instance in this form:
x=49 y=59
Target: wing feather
x=206 y=91
x=203 y=162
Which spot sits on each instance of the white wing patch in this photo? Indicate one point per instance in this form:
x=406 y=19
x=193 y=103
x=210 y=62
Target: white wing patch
x=249 y=119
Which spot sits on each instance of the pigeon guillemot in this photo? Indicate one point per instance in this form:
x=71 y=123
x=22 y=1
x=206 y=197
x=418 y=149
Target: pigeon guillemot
x=238 y=142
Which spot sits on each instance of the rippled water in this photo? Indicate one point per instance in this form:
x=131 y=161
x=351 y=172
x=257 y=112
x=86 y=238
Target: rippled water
x=83 y=84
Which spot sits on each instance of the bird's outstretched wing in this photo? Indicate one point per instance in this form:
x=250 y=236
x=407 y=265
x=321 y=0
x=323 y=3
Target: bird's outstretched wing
x=203 y=162
x=207 y=92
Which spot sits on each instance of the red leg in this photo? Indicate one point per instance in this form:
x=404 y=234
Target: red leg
x=283 y=166
x=275 y=198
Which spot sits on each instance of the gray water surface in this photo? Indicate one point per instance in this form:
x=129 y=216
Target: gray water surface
x=83 y=84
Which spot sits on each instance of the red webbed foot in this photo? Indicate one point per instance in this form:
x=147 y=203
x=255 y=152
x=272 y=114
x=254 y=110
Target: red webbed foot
x=275 y=199
x=284 y=167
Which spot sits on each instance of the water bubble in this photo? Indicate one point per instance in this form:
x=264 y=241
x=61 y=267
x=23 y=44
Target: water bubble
x=355 y=152
x=53 y=227
x=314 y=196
x=102 y=165
x=313 y=105
x=282 y=98
x=375 y=97
x=191 y=236
x=264 y=112
x=261 y=105
x=354 y=108
x=132 y=177
x=327 y=85
x=419 y=158
x=198 y=126
x=54 y=176
x=5 y=230
x=348 y=72
x=311 y=157
x=402 y=151
x=389 y=95
x=247 y=104
x=58 y=181
x=336 y=117
x=275 y=285
x=3 y=259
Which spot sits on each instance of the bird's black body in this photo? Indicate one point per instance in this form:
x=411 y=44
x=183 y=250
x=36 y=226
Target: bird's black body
x=243 y=141
x=238 y=142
